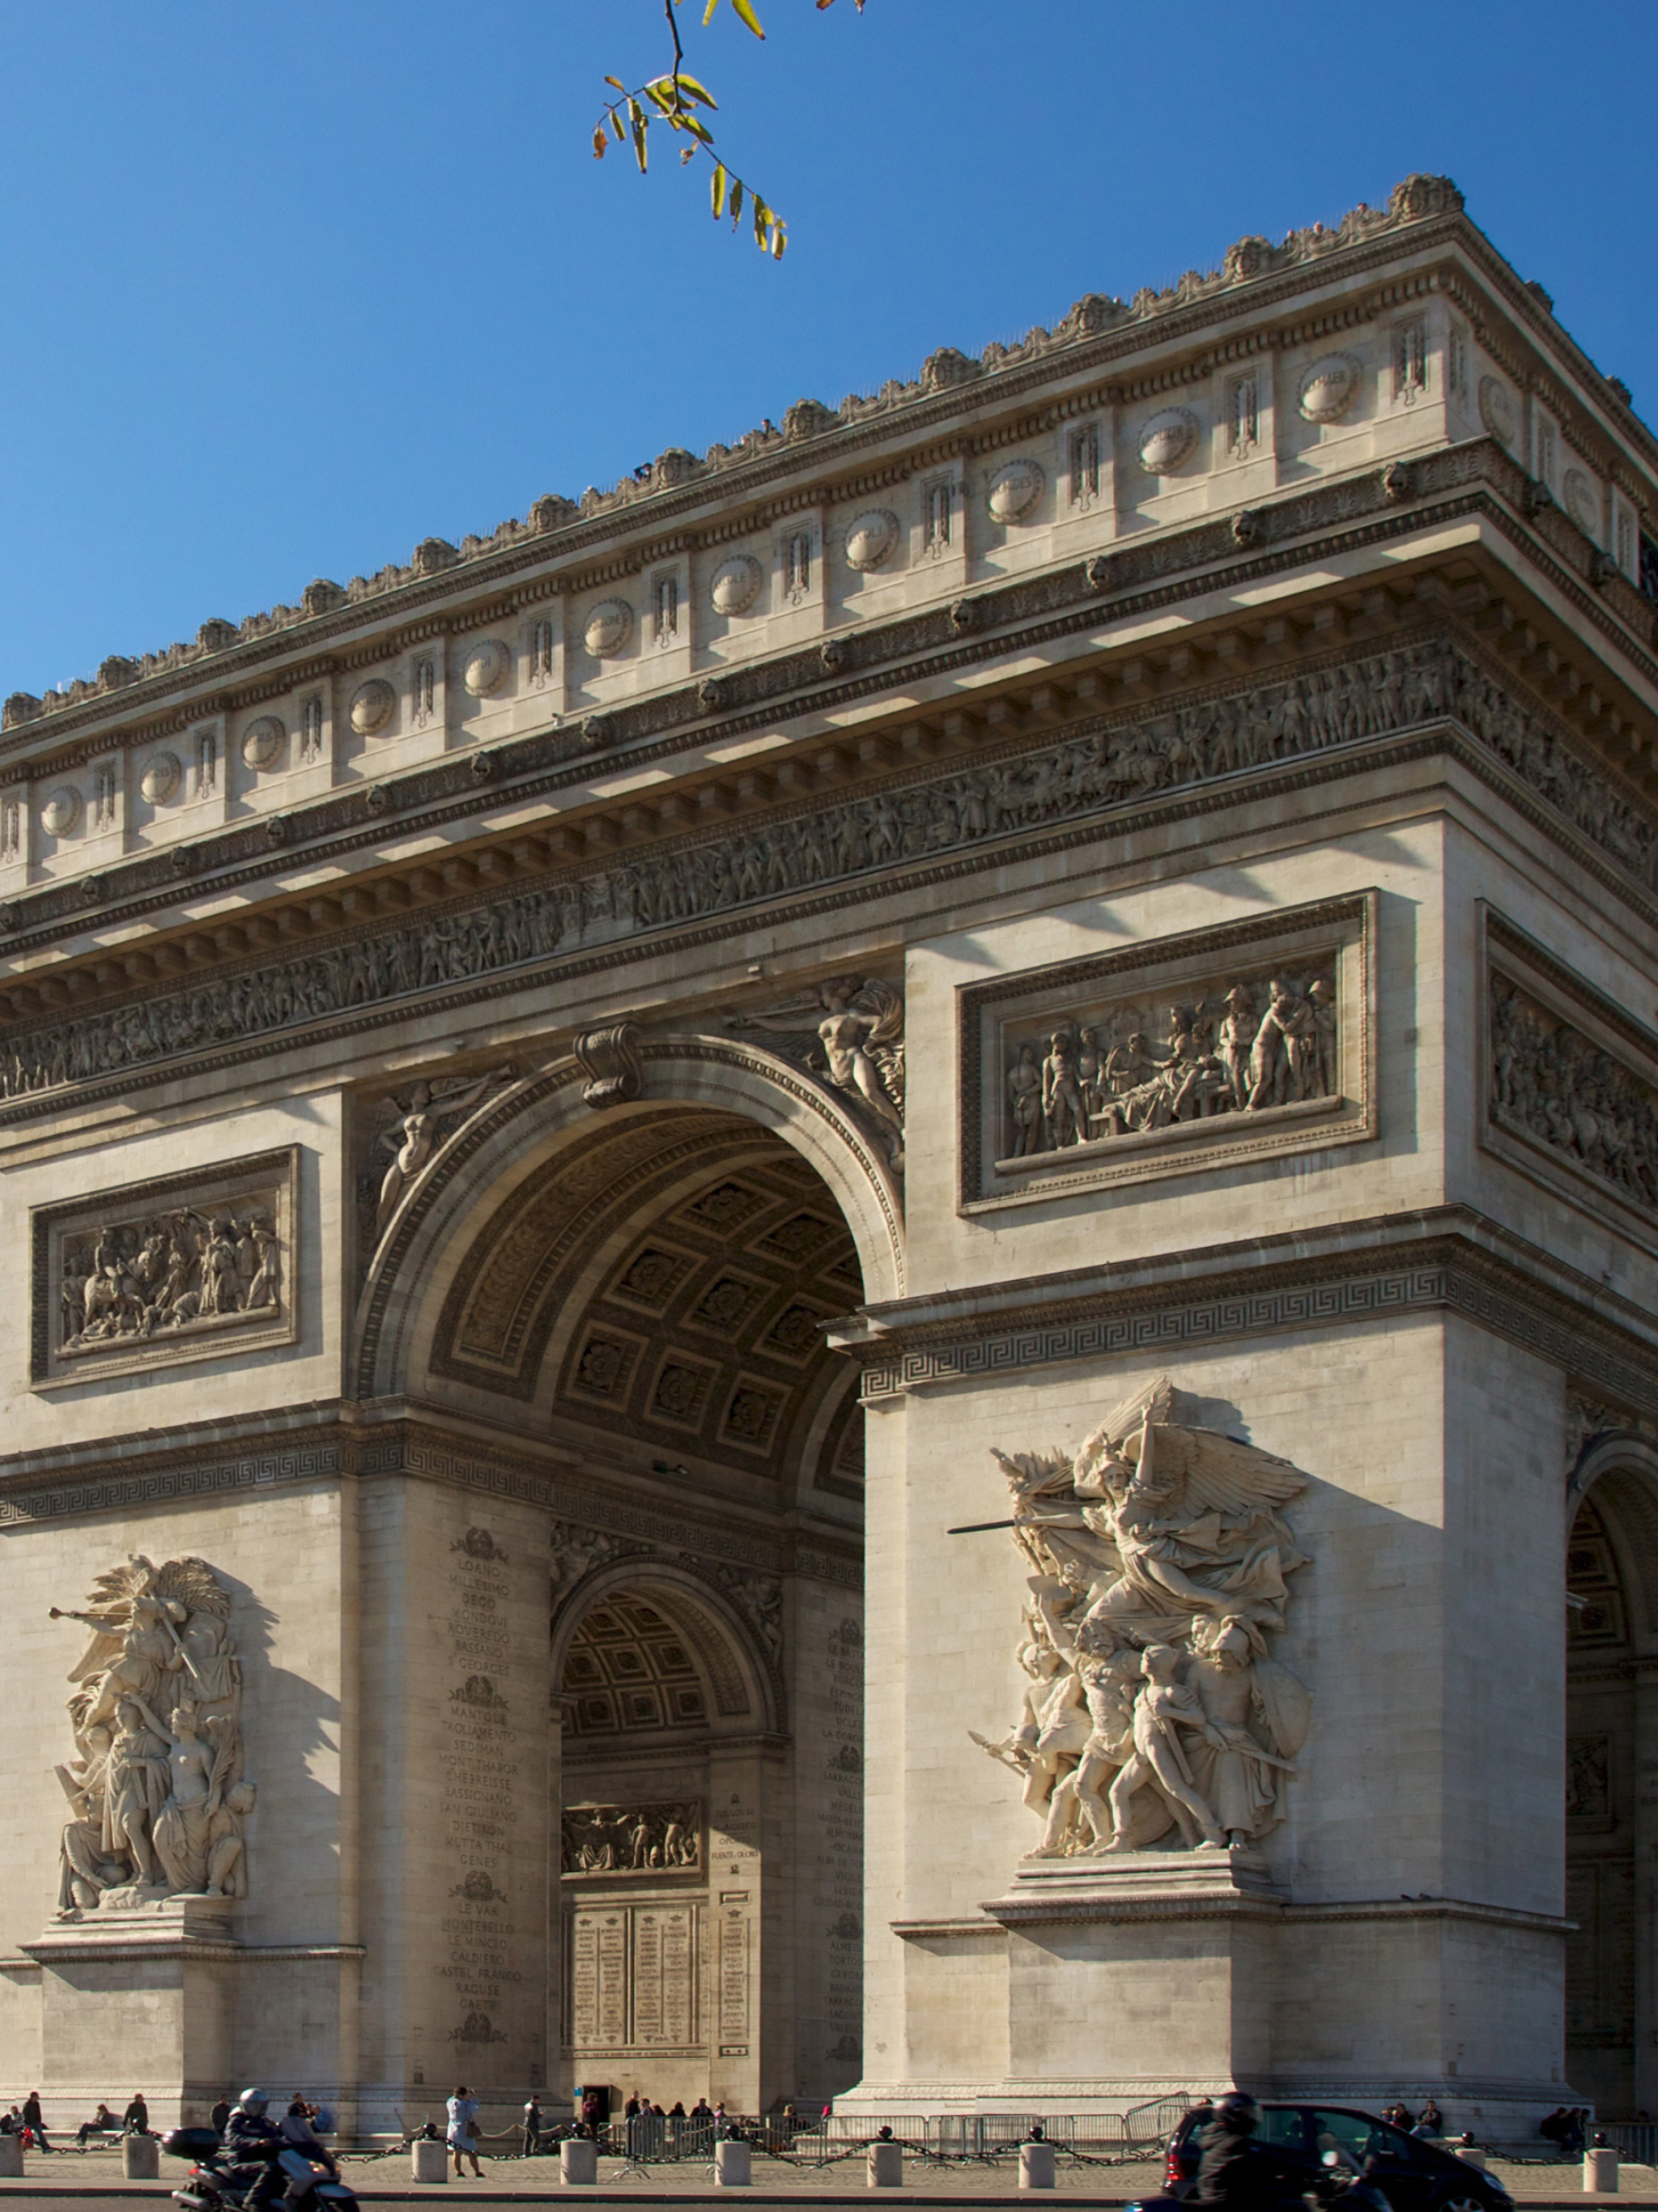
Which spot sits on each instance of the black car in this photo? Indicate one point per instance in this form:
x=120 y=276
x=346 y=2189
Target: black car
x=1414 y=2176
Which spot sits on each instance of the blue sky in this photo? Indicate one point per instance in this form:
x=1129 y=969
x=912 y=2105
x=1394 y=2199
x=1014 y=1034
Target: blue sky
x=291 y=286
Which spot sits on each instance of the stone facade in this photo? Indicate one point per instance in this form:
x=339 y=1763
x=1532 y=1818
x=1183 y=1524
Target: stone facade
x=981 y=1068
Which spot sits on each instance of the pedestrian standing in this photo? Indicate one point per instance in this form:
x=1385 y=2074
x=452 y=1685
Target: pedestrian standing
x=463 y=2129
x=32 y=2121
x=532 y=2126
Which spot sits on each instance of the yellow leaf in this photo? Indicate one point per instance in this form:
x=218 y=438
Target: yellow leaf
x=777 y=238
x=697 y=90
x=599 y=144
x=746 y=12
x=717 y=190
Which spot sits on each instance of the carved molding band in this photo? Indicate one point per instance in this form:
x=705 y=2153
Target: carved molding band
x=1105 y=768
x=181 y=1268
x=1257 y=1038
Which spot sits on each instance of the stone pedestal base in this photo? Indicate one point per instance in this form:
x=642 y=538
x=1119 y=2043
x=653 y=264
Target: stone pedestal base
x=428 y=2162
x=1150 y=1959
x=140 y=1984
x=141 y=2157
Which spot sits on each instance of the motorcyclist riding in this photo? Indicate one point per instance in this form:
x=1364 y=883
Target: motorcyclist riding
x=1235 y=2173
x=252 y=2141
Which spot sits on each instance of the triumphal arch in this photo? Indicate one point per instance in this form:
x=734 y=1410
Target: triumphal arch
x=837 y=1277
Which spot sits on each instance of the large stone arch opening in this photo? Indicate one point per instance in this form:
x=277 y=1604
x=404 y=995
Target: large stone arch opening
x=1611 y=1761
x=639 y=1294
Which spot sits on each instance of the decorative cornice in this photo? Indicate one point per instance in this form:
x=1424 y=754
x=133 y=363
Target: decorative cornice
x=1303 y=528
x=1421 y=696
x=1449 y=1259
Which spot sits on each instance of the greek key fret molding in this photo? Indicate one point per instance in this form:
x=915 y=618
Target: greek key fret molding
x=1173 y=1056
x=169 y=1486
x=1570 y=1083
x=1480 y=1273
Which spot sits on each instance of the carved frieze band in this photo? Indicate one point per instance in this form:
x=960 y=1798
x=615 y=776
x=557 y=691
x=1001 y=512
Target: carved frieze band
x=1115 y=767
x=183 y=1267
x=1571 y=1084
x=1438 y=1279
x=1221 y=1045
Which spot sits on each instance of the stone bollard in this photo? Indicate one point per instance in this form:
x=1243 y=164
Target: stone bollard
x=429 y=2160
x=886 y=2165
x=578 y=2162
x=141 y=2157
x=733 y=2165
x=1471 y=2154
x=1036 y=2165
x=1600 y=2169
x=11 y=2158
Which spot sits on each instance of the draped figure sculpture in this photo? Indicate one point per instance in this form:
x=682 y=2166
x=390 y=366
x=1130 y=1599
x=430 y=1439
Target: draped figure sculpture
x=157 y=1798
x=1160 y=1566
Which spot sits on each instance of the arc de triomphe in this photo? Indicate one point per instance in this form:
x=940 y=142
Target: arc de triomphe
x=837 y=1277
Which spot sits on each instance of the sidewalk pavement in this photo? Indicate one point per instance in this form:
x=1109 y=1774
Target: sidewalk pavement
x=91 y=2181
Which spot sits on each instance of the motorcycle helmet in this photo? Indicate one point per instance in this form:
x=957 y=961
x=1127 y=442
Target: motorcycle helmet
x=1238 y=2111
x=253 y=2100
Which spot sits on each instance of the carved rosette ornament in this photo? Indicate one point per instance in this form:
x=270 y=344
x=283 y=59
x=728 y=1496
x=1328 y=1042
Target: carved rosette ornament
x=736 y=585
x=160 y=778
x=158 y=1802
x=61 y=814
x=486 y=668
x=607 y=628
x=262 y=742
x=1497 y=409
x=1015 y=491
x=1154 y=1715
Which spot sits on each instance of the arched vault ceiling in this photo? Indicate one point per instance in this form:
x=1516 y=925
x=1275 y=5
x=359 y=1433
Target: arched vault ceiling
x=667 y=1278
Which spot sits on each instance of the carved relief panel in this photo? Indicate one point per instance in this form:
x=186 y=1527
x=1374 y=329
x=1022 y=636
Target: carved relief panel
x=1570 y=1085
x=184 y=1267
x=1171 y=1057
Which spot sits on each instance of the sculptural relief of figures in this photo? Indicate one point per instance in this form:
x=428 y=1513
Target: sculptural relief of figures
x=1240 y=1048
x=850 y=1032
x=418 y=1129
x=632 y=1838
x=1307 y=713
x=166 y=1272
x=1161 y=1566
x=157 y=1797
x=1550 y=1082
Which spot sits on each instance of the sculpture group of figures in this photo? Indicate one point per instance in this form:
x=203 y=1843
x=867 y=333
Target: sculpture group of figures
x=631 y=1839
x=1548 y=1079
x=1252 y=1046
x=1160 y=1566
x=143 y=1277
x=157 y=1798
x=850 y=1033
x=1309 y=712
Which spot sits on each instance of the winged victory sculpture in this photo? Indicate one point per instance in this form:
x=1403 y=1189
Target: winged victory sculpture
x=1160 y=1564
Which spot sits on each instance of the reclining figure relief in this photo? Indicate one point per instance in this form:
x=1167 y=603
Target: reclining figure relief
x=1161 y=1566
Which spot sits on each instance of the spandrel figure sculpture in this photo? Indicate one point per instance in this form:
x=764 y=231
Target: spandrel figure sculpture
x=850 y=1032
x=1160 y=1566
x=156 y=1788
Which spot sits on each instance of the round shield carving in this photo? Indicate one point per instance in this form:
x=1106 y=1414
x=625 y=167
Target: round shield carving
x=373 y=705
x=1016 y=489
x=486 y=668
x=607 y=629
x=262 y=742
x=871 y=539
x=1497 y=409
x=62 y=811
x=1329 y=388
x=736 y=585
x=160 y=778
x=1167 y=441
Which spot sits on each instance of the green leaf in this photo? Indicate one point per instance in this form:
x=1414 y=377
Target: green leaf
x=616 y=125
x=746 y=12
x=697 y=91
x=640 y=121
x=658 y=97
x=689 y=123
x=759 y=213
x=717 y=190
x=617 y=83
x=737 y=199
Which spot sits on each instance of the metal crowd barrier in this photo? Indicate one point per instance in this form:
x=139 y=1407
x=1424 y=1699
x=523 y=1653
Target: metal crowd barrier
x=822 y=2140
